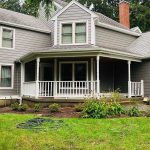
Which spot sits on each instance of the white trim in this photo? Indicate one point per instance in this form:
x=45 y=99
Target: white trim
x=57 y=5
x=129 y=79
x=117 y=29
x=37 y=76
x=93 y=30
x=24 y=27
x=73 y=64
x=55 y=32
x=1 y=35
x=73 y=31
x=22 y=77
x=71 y=3
x=12 y=75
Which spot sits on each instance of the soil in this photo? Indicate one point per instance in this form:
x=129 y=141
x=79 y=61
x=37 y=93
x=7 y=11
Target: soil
x=64 y=112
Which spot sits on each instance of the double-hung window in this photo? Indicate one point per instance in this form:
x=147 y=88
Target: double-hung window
x=74 y=33
x=7 y=38
x=6 y=73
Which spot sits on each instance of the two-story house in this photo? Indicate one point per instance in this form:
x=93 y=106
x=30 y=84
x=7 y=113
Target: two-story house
x=75 y=54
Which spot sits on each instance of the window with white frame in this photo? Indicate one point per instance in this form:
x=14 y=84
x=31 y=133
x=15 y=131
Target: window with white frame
x=74 y=33
x=7 y=40
x=6 y=73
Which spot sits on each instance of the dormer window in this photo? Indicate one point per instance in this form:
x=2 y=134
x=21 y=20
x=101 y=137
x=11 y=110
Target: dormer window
x=66 y=33
x=74 y=33
x=7 y=39
x=80 y=35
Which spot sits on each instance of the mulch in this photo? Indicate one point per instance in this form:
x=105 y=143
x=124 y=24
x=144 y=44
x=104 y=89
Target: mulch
x=64 y=112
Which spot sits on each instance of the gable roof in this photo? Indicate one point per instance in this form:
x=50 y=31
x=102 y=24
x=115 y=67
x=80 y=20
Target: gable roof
x=71 y=3
x=61 y=2
x=16 y=19
x=141 y=46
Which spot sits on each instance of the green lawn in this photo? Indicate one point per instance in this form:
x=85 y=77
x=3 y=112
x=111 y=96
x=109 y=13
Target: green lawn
x=77 y=134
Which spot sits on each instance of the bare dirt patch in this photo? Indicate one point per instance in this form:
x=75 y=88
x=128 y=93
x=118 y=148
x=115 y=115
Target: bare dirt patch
x=64 y=112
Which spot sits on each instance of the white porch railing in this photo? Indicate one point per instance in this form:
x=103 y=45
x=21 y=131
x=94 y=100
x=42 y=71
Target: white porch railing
x=67 y=88
x=137 y=88
x=29 y=88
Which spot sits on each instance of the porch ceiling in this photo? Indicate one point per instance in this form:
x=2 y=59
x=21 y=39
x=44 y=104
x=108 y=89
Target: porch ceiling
x=81 y=51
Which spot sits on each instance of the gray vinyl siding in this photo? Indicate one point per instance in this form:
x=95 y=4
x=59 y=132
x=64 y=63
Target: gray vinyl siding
x=141 y=71
x=75 y=13
x=112 y=39
x=16 y=88
x=25 y=42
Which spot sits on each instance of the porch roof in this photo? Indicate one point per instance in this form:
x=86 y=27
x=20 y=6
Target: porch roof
x=82 y=50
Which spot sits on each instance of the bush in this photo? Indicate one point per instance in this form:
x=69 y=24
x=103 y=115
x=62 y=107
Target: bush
x=37 y=107
x=116 y=96
x=79 y=107
x=54 y=107
x=95 y=109
x=22 y=107
x=15 y=106
x=115 y=109
x=148 y=101
x=134 y=112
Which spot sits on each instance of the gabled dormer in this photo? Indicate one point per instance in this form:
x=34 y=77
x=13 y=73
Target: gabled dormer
x=74 y=25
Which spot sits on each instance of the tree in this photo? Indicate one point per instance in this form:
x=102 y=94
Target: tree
x=14 y=5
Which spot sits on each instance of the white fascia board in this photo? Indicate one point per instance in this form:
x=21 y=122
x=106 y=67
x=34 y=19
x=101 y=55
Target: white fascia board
x=57 y=5
x=24 y=27
x=117 y=29
x=78 y=4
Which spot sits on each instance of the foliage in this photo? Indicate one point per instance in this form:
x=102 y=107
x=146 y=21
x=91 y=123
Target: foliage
x=79 y=107
x=54 y=107
x=116 y=96
x=148 y=101
x=15 y=106
x=25 y=8
x=37 y=107
x=115 y=109
x=134 y=112
x=22 y=107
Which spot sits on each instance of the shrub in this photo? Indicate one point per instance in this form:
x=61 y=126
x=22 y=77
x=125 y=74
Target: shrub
x=115 y=109
x=148 y=101
x=95 y=109
x=116 y=96
x=22 y=107
x=79 y=107
x=54 y=107
x=134 y=112
x=15 y=106
x=37 y=107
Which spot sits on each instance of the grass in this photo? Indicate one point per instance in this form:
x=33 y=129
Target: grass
x=76 y=134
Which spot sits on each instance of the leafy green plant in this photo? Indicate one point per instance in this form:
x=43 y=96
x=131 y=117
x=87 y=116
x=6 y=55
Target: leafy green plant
x=15 y=106
x=54 y=107
x=134 y=112
x=23 y=107
x=37 y=107
x=116 y=95
x=79 y=107
x=148 y=101
x=115 y=109
x=94 y=109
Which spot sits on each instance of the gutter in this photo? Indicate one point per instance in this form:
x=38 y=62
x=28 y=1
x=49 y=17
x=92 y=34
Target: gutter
x=25 y=27
x=117 y=29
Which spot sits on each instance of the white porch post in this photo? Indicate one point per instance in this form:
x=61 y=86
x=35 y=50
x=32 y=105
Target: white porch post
x=22 y=81
x=98 y=82
x=92 y=87
x=142 y=88
x=55 y=77
x=37 y=76
x=129 y=79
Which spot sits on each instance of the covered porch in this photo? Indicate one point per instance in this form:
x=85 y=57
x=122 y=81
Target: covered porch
x=75 y=77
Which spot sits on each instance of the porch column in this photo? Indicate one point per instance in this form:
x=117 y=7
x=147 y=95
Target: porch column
x=22 y=81
x=55 y=77
x=37 y=76
x=92 y=87
x=129 y=79
x=98 y=82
